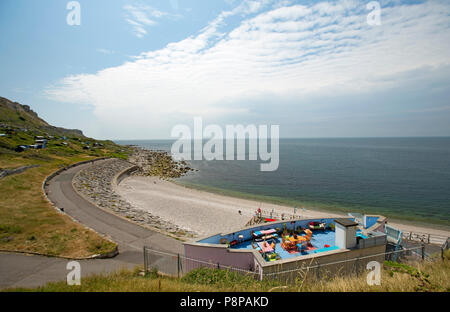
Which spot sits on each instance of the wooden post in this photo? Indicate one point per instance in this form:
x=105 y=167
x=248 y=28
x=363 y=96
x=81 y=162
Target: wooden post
x=178 y=265
x=145 y=261
x=423 y=251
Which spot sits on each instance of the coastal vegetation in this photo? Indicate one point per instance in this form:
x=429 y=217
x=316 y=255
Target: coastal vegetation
x=28 y=222
x=406 y=277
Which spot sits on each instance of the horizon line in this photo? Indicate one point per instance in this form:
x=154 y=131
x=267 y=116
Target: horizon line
x=293 y=138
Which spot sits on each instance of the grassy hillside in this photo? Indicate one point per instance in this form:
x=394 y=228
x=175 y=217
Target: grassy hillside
x=15 y=114
x=23 y=117
x=423 y=277
x=27 y=221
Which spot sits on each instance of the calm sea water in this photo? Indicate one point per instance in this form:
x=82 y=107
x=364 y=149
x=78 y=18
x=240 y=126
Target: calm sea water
x=407 y=178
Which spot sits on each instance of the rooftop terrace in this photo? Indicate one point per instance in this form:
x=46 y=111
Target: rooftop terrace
x=279 y=249
x=320 y=241
x=270 y=242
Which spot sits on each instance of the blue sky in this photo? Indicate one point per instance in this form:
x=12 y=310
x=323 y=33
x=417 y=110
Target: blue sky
x=134 y=69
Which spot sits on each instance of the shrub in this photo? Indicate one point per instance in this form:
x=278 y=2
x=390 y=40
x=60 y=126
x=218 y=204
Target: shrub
x=208 y=276
x=10 y=229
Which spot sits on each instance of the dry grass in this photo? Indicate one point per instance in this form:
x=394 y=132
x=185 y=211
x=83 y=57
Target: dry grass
x=437 y=275
x=29 y=223
x=405 y=277
x=123 y=281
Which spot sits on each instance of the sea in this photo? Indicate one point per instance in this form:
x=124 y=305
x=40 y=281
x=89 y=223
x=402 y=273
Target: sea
x=403 y=178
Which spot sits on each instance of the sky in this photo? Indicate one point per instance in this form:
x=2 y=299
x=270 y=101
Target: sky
x=133 y=69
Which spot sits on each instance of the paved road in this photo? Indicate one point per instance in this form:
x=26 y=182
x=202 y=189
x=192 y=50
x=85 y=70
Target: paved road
x=17 y=270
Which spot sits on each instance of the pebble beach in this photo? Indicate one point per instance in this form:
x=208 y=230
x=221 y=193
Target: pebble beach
x=150 y=196
x=207 y=213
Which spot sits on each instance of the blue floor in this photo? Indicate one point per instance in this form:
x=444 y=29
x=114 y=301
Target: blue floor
x=318 y=240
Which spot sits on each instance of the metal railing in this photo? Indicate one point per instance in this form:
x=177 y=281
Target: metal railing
x=265 y=214
x=177 y=265
x=446 y=244
x=348 y=266
x=425 y=237
x=444 y=247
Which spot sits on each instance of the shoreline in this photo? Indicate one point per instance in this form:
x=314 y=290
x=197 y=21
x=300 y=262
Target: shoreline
x=398 y=220
x=206 y=212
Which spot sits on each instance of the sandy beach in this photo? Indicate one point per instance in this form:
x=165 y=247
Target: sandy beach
x=208 y=213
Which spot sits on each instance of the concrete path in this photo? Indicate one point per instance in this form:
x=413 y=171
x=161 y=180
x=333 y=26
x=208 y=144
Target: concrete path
x=18 y=270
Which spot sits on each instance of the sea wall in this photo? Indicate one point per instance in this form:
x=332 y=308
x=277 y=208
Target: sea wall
x=98 y=182
x=124 y=174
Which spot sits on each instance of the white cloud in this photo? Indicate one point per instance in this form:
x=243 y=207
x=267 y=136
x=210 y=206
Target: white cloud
x=141 y=16
x=105 y=51
x=287 y=51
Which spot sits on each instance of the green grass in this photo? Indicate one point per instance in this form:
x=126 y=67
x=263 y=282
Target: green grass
x=55 y=148
x=28 y=222
x=10 y=229
x=225 y=279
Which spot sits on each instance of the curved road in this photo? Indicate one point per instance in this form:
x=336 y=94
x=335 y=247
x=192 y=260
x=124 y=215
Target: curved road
x=18 y=270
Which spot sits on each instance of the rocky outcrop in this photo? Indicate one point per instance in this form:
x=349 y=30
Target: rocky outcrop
x=158 y=163
x=96 y=183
